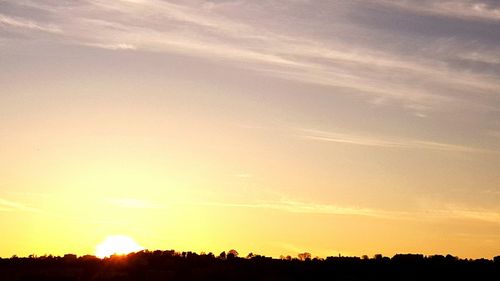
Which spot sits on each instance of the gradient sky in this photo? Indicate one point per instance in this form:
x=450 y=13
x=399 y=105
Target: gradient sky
x=273 y=127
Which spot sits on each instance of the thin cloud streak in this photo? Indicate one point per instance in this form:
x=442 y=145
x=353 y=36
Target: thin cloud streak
x=495 y=134
x=477 y=10
x=467 y=214
x=114 y=46
x=133 y=203
x=28 y=24
x=425 y=214
x=387 y=142
x=299 y=207
x=9 y=206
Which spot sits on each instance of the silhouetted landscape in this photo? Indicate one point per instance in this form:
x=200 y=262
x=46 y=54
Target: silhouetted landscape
x=172 y=265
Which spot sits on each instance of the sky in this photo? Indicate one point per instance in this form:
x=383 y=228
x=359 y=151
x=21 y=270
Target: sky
x=272 y=127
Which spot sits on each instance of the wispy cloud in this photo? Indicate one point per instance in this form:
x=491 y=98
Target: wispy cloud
x=244 y=175
x=386 y=142
x=9 y=206
x=467 y=214
x=133 y=203
x=28 y=24
x=299 y=207
x=491 y=192
x=495 y=134
x=445 y=212
x=214 y=31
x=119 y=46
x=492 y=57
x=478 y=10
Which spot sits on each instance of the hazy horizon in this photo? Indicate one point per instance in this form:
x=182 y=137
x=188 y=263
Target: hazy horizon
x=273 y=127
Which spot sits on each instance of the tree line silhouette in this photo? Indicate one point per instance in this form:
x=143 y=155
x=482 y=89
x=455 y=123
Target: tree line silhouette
x=172 y=265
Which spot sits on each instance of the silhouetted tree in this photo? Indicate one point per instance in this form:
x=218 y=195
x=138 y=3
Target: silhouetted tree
x=496 y=260
x=232 y=254
x=304 y=256
x=173 y=266
x=222 y=255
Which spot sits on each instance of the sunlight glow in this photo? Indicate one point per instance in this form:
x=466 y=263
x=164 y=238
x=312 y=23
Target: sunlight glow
x=117 y=245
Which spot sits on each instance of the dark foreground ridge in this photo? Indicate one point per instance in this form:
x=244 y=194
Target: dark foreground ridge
x=171 y=265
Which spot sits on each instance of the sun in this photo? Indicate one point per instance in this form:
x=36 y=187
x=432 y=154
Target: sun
x=117 y=245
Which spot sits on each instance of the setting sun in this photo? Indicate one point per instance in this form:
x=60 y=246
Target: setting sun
x=117 y=244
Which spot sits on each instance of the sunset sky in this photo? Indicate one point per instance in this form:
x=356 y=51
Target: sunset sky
x=273 y=127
